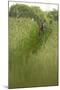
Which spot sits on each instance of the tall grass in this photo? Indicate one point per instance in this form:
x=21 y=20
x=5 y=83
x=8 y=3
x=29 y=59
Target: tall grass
x=32 y=58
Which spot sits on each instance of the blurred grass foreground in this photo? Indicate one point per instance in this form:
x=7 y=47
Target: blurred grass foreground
x=33 y=51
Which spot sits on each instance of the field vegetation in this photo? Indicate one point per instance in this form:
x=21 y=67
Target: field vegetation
x=33 y=55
